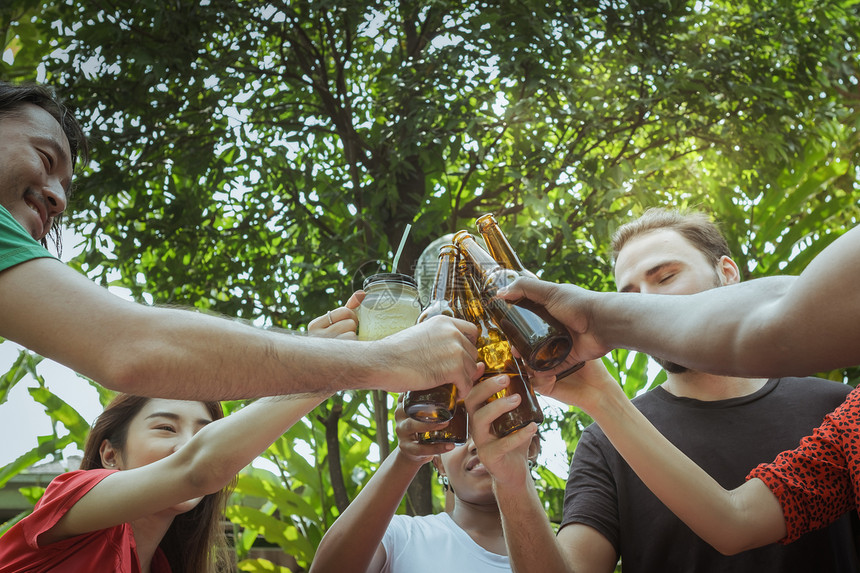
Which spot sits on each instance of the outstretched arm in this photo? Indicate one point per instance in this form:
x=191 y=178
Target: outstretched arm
x=772 y=326
x=532 y=544
x=53 y=310
x=207 y=463
x=731 y=521
x=354 y=542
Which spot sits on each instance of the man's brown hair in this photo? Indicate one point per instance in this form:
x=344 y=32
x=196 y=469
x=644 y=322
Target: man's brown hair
x=694 y=226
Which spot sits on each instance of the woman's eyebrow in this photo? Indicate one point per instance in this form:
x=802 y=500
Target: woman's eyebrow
x=177 y=417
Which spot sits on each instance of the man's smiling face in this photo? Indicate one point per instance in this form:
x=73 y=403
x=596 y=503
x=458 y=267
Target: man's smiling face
x=35 y=168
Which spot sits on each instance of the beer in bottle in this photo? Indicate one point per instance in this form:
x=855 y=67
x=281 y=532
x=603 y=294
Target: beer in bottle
x=437 y=404
x=494 y=351
x=456 y=432
x=502 y=251
x=539 y=338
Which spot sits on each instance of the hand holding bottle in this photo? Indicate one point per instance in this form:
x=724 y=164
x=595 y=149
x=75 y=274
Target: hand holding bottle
x=506 y=458
x=578 y=388
x=572 y=306
x=408 y=436
x=438 y=351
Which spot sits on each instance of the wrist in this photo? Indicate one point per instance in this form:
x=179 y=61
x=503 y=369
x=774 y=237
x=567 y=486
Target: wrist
x=377 y=365
x=604 y=404
x=408 y=462
x=513 y=485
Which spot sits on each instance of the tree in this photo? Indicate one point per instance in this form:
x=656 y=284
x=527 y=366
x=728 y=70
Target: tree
x=253 y=158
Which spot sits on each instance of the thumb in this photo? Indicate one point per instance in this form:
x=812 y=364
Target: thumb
x=534 y=290
x=355 y=300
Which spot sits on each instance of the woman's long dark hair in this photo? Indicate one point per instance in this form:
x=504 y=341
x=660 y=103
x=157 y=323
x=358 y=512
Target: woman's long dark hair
x=195 y=542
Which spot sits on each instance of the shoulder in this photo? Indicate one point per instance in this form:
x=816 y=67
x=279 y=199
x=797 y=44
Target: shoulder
x=73 y=484
x=16 y=245
x=404 y=531
x=813 y=389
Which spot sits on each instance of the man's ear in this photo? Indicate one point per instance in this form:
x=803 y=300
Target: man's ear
x=110 y=456
x=728 y=270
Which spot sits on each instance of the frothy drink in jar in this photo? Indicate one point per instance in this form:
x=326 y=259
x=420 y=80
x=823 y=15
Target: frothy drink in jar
x=390 y=305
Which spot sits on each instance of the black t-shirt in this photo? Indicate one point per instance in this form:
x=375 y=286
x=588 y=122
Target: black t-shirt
x=727 y=438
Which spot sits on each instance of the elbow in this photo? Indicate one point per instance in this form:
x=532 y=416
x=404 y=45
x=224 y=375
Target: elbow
x=729 y=547
x=204 y=471
x=137 y=368
x=122 y=376
x=733 y=540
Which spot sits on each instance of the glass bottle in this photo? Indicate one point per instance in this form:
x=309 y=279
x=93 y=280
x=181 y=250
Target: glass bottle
x=390 y=305
x=494 y=351
x=499 y=246
x=437 y=404
x=456 y=432
x=502 y=251
x=539 y=338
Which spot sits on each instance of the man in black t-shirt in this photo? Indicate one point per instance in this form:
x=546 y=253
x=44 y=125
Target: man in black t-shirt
x=726 y=425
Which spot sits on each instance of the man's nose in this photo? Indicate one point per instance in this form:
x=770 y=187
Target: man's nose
x=55 y=198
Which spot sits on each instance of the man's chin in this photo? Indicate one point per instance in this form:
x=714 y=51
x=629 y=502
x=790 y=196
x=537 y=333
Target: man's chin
x=671 y=367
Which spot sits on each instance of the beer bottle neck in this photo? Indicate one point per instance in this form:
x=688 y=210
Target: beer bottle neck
x=498 y=244
x=443 y=286
x=480 y=261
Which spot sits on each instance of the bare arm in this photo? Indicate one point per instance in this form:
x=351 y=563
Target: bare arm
x=773 y=326
x=731 y=521
x=129 y=347
x=532 y=544
x=354 y=542
x=206 y=464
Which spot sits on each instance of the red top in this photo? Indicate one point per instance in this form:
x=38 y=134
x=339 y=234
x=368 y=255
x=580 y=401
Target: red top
x=816 y=483
x=111 y=549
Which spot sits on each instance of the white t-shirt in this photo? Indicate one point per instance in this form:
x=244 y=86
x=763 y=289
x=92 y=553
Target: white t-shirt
x=433 y=543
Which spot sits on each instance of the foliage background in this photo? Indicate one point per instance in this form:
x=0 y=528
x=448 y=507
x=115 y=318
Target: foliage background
x=253 y=158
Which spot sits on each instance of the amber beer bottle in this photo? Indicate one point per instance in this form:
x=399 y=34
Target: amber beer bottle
x=456 y=432
x=437 y=404
x=494 y=351
x=502 y=251
x=539 y=338
x=499 y=246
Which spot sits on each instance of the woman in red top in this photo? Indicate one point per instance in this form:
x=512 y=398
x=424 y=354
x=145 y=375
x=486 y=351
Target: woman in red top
x=150 y=492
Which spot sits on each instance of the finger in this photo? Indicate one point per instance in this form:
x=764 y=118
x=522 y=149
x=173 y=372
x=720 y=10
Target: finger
x=342 y=327
x=468 y=329
x=471 y=371
x=355 y=300
x=518 y=440
x=482 y=391
x=486 y=415
x=428 y=450
x=535 y=290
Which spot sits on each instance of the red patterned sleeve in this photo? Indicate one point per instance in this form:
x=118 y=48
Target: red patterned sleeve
x=813 y=483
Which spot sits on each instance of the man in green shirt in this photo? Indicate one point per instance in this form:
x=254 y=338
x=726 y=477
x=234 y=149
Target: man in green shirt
x=53 y=310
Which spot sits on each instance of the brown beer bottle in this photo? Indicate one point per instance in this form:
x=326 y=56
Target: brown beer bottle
x=456 y=432
x=499 y=246
x=539 y=338
x=502 y=251
x=437 y=404
x=494 y=351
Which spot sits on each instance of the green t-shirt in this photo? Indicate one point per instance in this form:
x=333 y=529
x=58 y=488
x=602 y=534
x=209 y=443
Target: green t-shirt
x=16 y=245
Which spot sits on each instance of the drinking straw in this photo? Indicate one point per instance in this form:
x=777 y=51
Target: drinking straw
x=400 y=248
